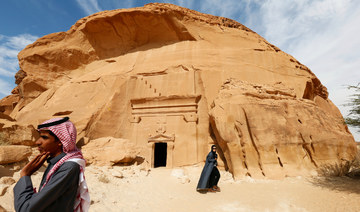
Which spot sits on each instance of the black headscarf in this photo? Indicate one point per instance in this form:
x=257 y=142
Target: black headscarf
x=214 y=154
x=213 y=146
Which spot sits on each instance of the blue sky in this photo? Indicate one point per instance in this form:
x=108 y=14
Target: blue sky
x=322 y=34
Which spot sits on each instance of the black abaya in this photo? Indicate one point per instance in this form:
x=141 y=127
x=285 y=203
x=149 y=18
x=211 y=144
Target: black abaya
x=208 y=175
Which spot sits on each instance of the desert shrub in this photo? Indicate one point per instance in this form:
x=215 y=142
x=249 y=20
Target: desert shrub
x=335 y=170
x=355 y=166
x=345 y=168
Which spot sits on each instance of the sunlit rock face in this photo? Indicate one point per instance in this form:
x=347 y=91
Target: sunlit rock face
x=173 y=81
x=265 y=130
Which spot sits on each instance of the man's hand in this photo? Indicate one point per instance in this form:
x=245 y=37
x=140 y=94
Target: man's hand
x=34 y=164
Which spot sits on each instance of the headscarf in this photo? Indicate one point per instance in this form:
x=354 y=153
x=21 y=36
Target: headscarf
x=66 y=133
x=212 y=146
x=213 y=153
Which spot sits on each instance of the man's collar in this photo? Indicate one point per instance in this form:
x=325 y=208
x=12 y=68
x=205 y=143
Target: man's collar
x=56 y=158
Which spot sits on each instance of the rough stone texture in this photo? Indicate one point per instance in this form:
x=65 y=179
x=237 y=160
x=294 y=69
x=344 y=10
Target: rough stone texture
x=8 y=103
x=13 y=133
x=14 y=153
x=110 y=151
x=151 y=75
x=264 y=130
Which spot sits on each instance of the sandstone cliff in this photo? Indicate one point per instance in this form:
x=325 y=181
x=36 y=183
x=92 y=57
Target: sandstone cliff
x=173 y=81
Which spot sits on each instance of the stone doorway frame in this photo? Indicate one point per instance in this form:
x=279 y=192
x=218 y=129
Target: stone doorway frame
x=161 y=138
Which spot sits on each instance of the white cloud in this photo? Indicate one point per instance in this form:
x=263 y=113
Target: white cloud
x=5 y=88
x=89 y=6
x=9 y=48
x=20 y=41
x=6 y=73
x=94 y=6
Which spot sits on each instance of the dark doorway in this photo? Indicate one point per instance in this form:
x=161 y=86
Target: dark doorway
x=160 y=154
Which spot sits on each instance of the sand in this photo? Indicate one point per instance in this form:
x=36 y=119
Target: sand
x=135 y=188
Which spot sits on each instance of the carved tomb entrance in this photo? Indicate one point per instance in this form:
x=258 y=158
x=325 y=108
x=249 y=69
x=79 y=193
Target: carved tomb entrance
x=167 y=127
x=160 y=153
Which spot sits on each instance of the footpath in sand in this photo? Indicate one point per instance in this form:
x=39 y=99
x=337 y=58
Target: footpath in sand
x=136 y=189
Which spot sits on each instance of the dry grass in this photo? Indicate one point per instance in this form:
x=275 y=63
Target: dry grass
x=345 y=168
x=335 y=170
x=354 y=170
x=341 y=177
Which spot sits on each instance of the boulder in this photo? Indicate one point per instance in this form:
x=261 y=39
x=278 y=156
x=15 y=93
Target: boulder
x=7 y=104
x=110 y=151
x=12 y=133
x=14 y=153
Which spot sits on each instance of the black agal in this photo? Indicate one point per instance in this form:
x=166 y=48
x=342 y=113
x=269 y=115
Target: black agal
x=53 y=123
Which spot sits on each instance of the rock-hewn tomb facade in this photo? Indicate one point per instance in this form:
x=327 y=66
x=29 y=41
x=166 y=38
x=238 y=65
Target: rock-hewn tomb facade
x=163 y=83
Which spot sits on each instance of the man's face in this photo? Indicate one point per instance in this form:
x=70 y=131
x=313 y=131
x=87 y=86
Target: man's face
x=214 y=149
x=48 y=143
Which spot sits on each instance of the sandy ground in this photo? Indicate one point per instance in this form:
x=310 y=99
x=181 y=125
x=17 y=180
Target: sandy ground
x=137 y=189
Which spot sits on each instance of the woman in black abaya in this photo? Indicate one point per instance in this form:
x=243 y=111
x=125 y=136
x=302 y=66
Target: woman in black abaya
x=210 y=175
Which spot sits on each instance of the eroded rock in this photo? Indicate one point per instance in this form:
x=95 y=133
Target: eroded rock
x=151 y=75
x=14 y=153
x=265 y=131
x=110 y=151
x=11 y=133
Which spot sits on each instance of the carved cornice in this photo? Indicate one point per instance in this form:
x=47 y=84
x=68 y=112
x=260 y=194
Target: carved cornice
x=161 y=138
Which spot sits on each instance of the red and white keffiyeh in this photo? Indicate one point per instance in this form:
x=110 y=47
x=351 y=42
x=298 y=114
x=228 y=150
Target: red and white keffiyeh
x=66 y=132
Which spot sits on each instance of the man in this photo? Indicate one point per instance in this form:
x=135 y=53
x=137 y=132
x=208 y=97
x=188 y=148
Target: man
x=63 y=186
x=210 y=175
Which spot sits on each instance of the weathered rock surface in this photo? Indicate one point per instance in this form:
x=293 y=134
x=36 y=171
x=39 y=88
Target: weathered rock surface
x=11 y=133
x=14 y=153
x=7 y=105
x=110 y=151
x=264 y=130
x=153 y=74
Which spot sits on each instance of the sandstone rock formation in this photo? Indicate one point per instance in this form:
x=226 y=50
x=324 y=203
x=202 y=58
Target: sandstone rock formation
x=245 y=117
x=110 y=151
x=159 y=75
x=13 y=133
x=14 y=153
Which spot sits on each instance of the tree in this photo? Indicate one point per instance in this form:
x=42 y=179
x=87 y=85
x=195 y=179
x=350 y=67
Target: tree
x=353 y=118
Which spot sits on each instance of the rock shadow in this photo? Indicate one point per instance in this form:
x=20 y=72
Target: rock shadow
x=340 y=177
x=137 y=161
x=343 y=184
x=219 y=151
